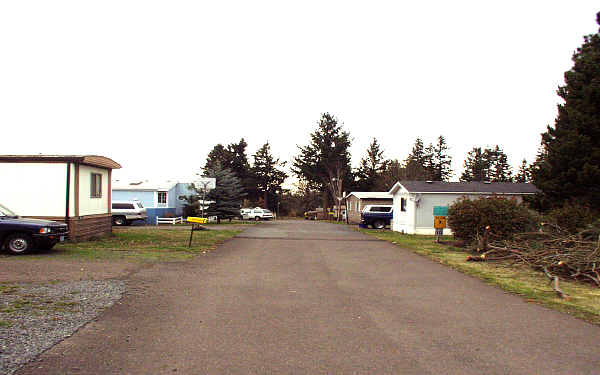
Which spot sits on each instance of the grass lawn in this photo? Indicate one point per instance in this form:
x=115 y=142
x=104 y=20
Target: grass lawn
x=143 y=244
x=584 y=299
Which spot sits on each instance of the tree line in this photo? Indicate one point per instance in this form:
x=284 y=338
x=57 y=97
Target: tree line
x=567 y=167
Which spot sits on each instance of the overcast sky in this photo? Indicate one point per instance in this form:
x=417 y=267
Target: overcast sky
x=155 y=85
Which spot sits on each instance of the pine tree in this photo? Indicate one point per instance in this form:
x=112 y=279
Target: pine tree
x=371 y=167
x=476 y=166
x=429 y=163
x=441 y=169
x=415 y=162
x=524 y=174
x=325 y=162
x=499 y=169
x=238 y=161
x=220 y=156
x=267 y=175
x=394 y=171
x=490 y=164
x=227 y=196
x=570 y=165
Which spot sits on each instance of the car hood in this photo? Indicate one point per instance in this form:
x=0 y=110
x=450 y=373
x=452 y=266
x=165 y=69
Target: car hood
x=36 y=222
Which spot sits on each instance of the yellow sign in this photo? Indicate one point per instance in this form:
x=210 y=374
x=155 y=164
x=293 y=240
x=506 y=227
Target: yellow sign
x=439 y=222
x=199 y=220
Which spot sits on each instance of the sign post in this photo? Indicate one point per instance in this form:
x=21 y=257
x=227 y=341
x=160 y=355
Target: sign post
x=439 y=221
x=196 y=221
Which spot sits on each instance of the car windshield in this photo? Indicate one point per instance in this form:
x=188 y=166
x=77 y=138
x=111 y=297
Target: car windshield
x=6 y=212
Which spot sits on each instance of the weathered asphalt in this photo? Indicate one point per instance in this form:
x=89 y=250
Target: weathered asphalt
x=314 y=298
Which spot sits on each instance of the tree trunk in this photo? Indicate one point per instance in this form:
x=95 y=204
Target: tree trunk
x=325 y=199
x=266 y=198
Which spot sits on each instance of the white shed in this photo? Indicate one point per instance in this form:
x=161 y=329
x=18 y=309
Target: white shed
x=414 y=200
x=75 y=189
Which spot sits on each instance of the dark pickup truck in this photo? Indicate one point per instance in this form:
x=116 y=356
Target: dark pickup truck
x=377 y=216
x=19 y=235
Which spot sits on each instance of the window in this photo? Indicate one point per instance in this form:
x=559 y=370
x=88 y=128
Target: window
x=122 y=206
x=96 y=186
x=162 y=197
x=403 y=204
x=380 y=209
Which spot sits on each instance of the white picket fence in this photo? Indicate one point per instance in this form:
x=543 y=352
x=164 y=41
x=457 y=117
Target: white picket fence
x=169 y=220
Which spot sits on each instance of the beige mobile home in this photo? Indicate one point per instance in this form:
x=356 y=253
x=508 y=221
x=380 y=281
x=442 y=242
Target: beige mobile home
x=75 y=189
x=414 y=200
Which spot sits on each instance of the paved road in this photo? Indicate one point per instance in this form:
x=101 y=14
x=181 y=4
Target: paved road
x=315 y=298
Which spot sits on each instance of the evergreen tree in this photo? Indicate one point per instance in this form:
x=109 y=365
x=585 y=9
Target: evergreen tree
x=220 y=156
x=267 y=175
x=570 y=165
x=415 y=162
x=371 y=167
x=442 y=162
x=429 y=163
x=394 y=171
x=491 y=165
x=227 y=196
x=325 y=162
x=476 y=166
x=238 y=161
x=239 y=165
x=524 y=174
x=499 y=169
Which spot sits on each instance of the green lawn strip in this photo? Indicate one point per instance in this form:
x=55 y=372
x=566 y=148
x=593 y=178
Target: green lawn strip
x=140 y=244
x=584 y=299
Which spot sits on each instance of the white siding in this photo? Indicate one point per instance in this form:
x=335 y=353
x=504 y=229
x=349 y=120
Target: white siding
x=34 y=189
x=88 y=205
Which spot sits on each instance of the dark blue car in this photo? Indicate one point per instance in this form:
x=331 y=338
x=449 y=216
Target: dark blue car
x=20 y=235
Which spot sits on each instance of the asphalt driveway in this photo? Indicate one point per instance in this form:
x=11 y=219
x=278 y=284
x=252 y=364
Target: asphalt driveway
x=299 y=297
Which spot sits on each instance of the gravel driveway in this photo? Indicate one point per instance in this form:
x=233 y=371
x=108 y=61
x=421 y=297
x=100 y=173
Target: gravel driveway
x=34 y=317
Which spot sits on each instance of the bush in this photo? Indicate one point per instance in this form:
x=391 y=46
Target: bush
x=505 y=217
x=571 y=217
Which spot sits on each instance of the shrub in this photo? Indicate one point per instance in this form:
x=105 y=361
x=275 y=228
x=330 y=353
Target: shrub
x=571 y=217
x=505 y=217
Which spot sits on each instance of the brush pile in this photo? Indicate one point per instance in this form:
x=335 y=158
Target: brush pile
x=556 y=252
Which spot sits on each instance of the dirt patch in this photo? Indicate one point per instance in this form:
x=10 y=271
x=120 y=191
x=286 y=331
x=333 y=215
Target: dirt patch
x=21 y=269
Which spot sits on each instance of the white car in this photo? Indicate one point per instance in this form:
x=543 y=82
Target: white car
x=126 y=212
x=257 y=214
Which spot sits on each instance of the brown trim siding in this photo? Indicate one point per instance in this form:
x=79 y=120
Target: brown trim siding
x=84 y=227
x=76 y=189
x=92 y=160
x=62 y=218
x=109 y=192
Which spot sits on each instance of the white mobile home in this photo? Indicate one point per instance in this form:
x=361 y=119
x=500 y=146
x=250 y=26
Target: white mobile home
x=75 y=189
x=414 y=200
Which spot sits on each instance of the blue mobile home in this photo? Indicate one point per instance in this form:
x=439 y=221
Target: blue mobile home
x=159 y=199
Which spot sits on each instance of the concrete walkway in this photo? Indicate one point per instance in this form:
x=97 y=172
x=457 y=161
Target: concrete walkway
x=301 y=297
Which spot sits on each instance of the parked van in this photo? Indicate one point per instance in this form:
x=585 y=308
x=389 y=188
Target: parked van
x=126 y=212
